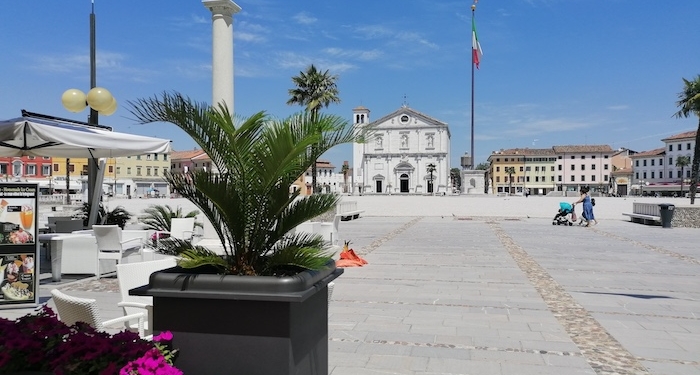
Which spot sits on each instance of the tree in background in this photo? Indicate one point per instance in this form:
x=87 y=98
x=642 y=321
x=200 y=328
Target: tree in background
x=159 y=217
x=511 y=172
x=314 y=90
x=682 y=162
x=455 y=175
x=689 y=103
x=345 y=168
x=483 y=166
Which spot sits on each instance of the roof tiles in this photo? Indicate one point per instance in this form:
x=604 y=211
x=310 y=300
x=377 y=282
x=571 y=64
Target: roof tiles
x=582 y=148
x=654 y=152
x=680 y=136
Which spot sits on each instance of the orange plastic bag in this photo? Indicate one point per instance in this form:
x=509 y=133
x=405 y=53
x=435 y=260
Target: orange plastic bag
x=348 y=258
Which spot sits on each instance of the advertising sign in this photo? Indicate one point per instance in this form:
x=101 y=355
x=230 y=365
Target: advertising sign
x=19 y=260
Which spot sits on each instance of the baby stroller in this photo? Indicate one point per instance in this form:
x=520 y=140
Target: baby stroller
x=562 y=216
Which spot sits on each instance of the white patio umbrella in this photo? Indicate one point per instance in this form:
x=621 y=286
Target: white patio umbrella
x=41 y=135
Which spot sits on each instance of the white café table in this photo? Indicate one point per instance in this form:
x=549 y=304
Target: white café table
x=82 y=252
x=55 y=247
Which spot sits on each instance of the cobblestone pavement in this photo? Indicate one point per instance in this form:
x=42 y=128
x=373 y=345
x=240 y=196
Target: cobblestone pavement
x=489 y=294
x=500 y=295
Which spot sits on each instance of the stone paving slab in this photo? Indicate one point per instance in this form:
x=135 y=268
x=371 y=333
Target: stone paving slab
x=490 y=295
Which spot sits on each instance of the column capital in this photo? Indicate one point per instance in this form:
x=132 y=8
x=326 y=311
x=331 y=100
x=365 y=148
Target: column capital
x=226 y=7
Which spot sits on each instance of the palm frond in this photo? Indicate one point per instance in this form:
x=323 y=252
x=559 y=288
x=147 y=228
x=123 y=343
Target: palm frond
x=199 y=257
x=248 y=200
x=293 y=259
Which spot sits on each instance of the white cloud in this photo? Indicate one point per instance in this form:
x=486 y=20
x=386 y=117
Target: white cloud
x=291 y=60
x=618 y=107
x=539 y=126
x=374 y=31
x=248 y=37
x=354 y=54
x=197 y=19
x=415 y=38
x=251 y=27
x=77 y=62
x=304 y=18
x=382 y=32
x=193 y=70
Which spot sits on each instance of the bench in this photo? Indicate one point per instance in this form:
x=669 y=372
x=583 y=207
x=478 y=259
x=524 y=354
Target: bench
x=350 y=215
x=644 y=219
x=645 y=213
x=348 y=210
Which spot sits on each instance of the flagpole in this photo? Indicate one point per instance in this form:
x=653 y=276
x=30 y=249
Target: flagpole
x=473 y=63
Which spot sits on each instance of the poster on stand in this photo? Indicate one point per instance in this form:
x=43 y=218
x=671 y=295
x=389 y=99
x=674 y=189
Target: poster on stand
x=19 y=249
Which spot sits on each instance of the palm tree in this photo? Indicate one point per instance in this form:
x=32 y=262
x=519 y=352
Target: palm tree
x=682 y=162
x=689 y=103
x=511 y=172
x=430 y=169
x=314 y=89
x=345 y=168
x=248 y=201
x=159 y=217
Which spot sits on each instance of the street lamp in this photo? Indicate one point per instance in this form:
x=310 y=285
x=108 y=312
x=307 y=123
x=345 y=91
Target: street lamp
x=431 y=169
x=101 y=101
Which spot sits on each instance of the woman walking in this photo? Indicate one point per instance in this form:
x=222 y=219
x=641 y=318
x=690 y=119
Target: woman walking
x=587 y=206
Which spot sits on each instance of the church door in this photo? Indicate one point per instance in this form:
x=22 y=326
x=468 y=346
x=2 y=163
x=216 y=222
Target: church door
x=404 y=183
x=379 y=186
x=430 y=186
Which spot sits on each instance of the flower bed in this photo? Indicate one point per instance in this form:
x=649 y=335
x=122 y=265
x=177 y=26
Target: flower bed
x=41 y=342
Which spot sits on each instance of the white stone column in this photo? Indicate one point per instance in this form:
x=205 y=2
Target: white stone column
x=222 y=12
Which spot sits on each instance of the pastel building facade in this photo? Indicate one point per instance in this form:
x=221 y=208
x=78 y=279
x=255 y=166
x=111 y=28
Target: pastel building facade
x=533 y=171
x=657 y=172
x=583 y=165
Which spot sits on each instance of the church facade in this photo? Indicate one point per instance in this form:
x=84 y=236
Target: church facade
x=407 y=152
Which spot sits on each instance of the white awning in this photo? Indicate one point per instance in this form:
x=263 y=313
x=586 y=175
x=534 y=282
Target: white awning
x=53 y=137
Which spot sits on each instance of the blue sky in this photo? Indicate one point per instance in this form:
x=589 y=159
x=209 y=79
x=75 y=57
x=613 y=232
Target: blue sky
x=554 y=72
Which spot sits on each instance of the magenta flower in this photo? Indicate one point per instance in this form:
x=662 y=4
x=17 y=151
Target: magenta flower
x=43 y=343
x=163 y=336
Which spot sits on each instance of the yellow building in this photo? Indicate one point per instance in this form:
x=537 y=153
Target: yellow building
x=139 y=176
x=533 y=171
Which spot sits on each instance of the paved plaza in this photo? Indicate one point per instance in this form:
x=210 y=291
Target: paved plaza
x=467 y=285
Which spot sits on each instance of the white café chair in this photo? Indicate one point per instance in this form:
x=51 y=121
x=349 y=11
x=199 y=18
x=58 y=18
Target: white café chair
x=111 y=246
x=181 y=228
x=134 y=275
x=73 y=309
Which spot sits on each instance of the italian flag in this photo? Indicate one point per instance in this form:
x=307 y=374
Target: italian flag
x=476 y=47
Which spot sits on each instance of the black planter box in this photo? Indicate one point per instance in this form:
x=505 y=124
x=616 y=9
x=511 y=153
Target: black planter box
x=244 y=324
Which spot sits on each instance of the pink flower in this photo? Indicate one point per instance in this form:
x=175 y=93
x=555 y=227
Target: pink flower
x=164 y=336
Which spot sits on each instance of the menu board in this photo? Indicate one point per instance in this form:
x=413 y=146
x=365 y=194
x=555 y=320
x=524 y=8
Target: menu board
x=19 y=263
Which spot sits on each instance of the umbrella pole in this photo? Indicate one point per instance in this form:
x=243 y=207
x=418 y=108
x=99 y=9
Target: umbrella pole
x=95 y=192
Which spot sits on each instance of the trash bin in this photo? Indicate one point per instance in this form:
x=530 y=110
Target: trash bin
x=666 y=214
